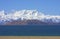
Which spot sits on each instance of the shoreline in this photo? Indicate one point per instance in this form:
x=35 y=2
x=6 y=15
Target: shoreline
x=29 y=37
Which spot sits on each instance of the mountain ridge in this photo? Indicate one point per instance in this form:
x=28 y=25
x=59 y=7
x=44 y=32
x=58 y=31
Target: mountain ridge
x=28 y=15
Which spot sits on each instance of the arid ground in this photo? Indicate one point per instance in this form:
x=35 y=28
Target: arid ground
x=29 y=37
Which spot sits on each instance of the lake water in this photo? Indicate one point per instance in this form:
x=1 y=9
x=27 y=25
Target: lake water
x=30 y=30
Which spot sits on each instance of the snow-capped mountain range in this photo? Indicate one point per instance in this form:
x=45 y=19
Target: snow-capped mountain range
x=28 y=15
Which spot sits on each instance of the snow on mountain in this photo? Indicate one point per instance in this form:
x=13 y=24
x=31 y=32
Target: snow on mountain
x=28 y=15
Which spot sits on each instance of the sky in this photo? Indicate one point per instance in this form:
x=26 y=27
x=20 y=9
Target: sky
x=51 y=7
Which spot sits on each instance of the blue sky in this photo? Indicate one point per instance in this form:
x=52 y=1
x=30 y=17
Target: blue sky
x=46 y=6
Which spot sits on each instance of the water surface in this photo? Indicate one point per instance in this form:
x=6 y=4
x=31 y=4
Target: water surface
x=30 y=30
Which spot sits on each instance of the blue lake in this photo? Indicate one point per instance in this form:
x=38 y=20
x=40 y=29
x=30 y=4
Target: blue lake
x=30 y=30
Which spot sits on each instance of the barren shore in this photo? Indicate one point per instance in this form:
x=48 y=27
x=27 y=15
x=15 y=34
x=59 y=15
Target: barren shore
x=29 y=37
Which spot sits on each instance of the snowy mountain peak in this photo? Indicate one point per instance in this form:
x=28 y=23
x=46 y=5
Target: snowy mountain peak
x=28 y=15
